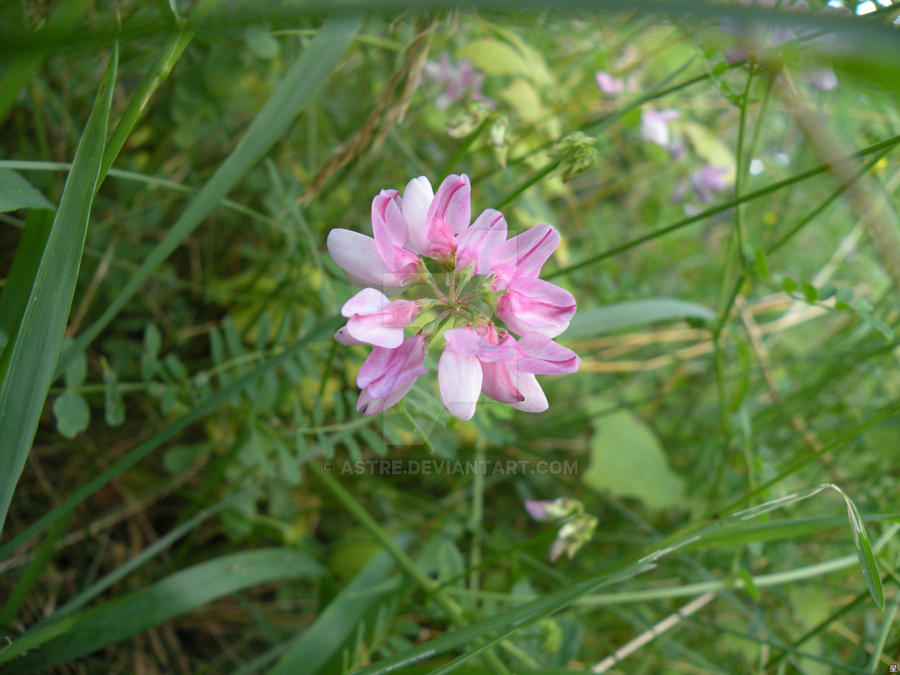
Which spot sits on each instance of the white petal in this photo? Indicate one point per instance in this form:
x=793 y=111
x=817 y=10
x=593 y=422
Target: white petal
x=367 y=301
x=527 y=384
x=343 y=336
x=357 y=255
x=414 y=205
x=459 y=380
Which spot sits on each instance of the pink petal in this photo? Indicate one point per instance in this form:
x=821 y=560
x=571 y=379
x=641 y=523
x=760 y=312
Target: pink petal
x=368 y=405
x=467 y=341
x=448 y=214
x=459 y=381
x=383 y=328
x=536 y=306
x=607 y=83
x=524 y=254
x=386 y=369
x=388 y=226
x=497 y=383
x=541 y=355
x=474 y=245
x=536 y=509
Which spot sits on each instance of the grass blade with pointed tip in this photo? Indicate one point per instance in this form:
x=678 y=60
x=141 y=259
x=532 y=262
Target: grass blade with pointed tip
x=74 y=636
x=31 y=355
x=294 y=91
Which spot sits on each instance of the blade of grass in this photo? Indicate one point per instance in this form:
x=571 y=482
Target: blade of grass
x=30 y=357
x=291 y=95
x=172 y=429
x=74 y=636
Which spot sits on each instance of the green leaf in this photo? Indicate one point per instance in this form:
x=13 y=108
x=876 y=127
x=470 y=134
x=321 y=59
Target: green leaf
x=30 y=357
x=789 y=285
x=76 y=371
x=809 y=291
x=627 y=460
x=295 y=90
x=602 y=320
x=313 y=648
x=864 y=550
x=18 y=193
x=260 y=43
x=121 y=618
x=72 y=412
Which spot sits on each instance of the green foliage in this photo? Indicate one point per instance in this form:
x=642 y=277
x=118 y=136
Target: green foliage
x=198 y=492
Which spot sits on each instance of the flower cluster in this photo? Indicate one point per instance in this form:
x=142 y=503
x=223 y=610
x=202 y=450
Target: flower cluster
x=463 y=276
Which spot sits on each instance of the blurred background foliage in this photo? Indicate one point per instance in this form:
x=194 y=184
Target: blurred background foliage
x=737 y=291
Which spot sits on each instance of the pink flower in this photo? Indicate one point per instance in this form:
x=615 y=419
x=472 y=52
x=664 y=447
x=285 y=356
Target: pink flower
x=375 y=320
x=607 y=83
x=388 y=374
x=489 y=278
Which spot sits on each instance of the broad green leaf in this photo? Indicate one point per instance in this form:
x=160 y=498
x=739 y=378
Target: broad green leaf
x=30 y=356
x=18 y=193
x=313 y=648
x=121 y=618
x=631 y=313
x=627 y=460
x=295 y=90
x=72 y=412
